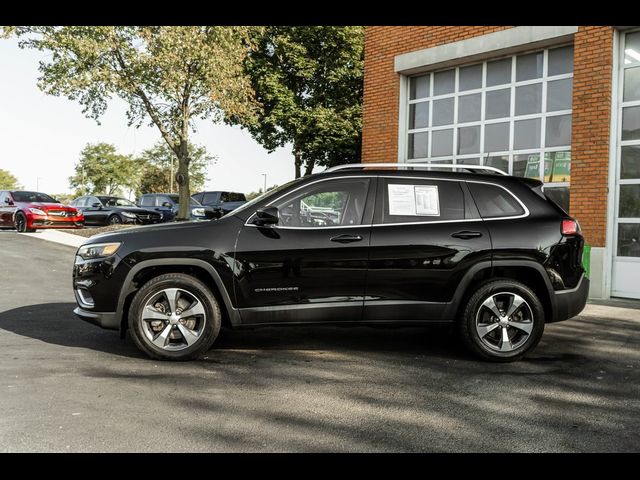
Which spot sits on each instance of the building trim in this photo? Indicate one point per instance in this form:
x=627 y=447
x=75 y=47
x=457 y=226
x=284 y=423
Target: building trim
x=504 y=42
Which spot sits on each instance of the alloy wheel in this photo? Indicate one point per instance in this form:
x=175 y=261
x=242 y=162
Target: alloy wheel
x=504 y=321
x=173 y=319
x=21 y=223
x=115 y=220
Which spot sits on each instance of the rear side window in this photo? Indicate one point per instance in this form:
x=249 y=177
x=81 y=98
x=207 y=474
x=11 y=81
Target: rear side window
x=232 y=197
x=409 y=200
x=493 y=201
x=146 y=201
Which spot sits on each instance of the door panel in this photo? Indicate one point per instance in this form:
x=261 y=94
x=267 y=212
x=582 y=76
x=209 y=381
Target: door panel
x=312 y=266
x=415 y=267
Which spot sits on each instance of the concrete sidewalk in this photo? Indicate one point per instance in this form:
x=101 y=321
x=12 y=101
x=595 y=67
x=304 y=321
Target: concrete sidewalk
x=58 y=236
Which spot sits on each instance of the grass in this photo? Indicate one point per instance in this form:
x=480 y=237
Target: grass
x=90 y=231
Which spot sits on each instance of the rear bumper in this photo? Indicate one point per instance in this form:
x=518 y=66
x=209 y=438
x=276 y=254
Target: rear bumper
x=108 y=320
x=569 y=303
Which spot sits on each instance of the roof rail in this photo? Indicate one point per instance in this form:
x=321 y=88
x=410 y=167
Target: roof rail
x=412 y=165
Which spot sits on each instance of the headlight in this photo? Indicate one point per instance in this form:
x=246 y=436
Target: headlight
x=37 y=211
x=98 y=250
x=128 y=214
x=199 y=212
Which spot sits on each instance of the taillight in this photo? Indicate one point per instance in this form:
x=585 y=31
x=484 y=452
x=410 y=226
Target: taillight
x=570 y=227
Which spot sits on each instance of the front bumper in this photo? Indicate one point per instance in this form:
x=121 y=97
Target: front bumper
x=41 y=221
x=108 y=320
x=569 y=303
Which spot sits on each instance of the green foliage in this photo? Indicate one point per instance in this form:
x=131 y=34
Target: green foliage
x=168 y=75
x=309 y=81
x=333 y=200
x=65 y=198
x=8 y=181
x=102 y=170
x=157 y=163
x=251 y=195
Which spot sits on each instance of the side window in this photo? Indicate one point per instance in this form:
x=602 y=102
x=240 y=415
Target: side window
x=161 y=199
x=146 y=201
x=493 y=201
x=421 y=200
x=92 y=200
x=326 y=204
x=79 y=202
x=210 y=198
x=3 y=195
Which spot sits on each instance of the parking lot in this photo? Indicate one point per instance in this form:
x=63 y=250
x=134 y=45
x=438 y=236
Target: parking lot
x=69 y=386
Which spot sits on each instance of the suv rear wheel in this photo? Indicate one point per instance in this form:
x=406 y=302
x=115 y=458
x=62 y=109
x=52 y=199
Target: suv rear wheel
x=502 y=321
x=174 y=317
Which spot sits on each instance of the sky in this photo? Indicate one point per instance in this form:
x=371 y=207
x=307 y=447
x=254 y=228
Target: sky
x=41 y=136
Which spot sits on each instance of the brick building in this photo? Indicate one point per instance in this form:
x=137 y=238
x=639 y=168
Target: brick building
x=557 y=103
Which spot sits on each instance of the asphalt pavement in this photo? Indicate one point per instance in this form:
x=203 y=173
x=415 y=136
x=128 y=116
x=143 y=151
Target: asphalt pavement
x=66 y=385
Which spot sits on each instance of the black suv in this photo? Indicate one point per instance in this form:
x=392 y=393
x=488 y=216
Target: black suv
x=225 y=202
x=355 y=245
x=109 y=210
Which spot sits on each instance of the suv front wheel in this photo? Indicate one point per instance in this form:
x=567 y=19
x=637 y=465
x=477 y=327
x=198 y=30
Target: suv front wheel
x=174 y=317
x=502 y=321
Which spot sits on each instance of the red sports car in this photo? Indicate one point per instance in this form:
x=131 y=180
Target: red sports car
x=28 y=211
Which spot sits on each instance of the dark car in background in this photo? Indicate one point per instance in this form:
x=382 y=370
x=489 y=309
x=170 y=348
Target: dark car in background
x=225 y=202
x=168 y=205
x=110 y=210
x=491 y=255
x=27 y=211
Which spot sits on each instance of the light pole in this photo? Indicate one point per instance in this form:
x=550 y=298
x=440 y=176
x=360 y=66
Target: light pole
x=38 y=184
x=265 y=183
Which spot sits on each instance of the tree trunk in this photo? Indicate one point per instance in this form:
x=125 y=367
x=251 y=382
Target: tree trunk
x=182 y=179
x=309 y=168
x=298 y=161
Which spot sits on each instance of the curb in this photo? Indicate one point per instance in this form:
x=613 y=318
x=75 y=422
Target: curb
x=56 y=236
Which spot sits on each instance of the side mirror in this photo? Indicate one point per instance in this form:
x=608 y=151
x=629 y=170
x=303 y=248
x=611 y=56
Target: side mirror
x=96 y=205
x=167 y=205
x=267 y=216
x=7 y=200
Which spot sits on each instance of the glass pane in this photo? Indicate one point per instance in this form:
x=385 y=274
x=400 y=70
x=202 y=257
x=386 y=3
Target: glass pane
x=630 y=163
x=560 y=195
x=529 y=99
x=443 y=82
x=527 y=165
x=418 y=115
x=501 y=162
x=498 y=104
x=529 y=66
x=469 y=140
x=470 y=78
x=496 y=137
x=629 y=240
x=499 y=72
x=631 y=123
x=560 y=60
x=557 y=167
x=419 y=87
x=631 y=84
x=559 y=93
x=469 y=107
x=442 y=143
x=418 y=145
x=632 y=48
x=558 y=132
x=468 y=161
x=443 y=111
x=629 y=201
x=441 y=162
x=526 y=134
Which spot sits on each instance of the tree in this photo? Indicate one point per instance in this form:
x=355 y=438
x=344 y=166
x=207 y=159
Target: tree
x=170 y=76
x=309 y=81
x=157 y=163
x=102 y=170
x=8 y=181
x=252 y=195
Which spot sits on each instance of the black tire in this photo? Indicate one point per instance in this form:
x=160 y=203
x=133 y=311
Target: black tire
x=483 y=348
x=21 y=224
x=114 y=220
x=193 y=286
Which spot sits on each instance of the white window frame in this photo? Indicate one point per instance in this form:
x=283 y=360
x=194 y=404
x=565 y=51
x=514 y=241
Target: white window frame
x=544 y=79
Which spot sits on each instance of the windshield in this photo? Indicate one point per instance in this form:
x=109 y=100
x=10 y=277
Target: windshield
x=30 y=197
x=175 y=199
x=116 y=202
x=251 y=203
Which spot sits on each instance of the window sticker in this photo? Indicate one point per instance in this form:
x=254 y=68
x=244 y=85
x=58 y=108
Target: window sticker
x=427 y=200
x=413 y=200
